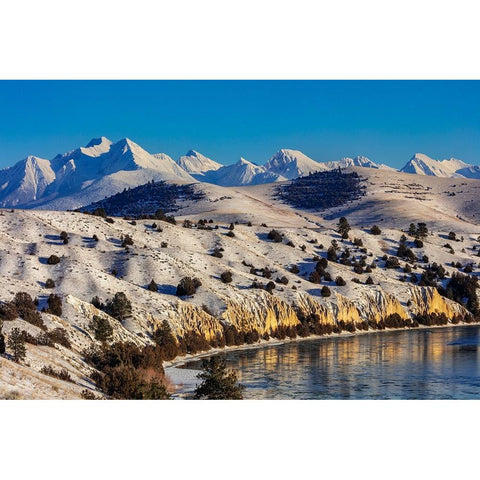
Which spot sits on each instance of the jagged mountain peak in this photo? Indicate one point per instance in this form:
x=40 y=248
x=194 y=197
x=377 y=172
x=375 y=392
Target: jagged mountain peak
x=291 y=164
x=94 y=142
x=422 y=164
x=197 y=164
x=244 y=161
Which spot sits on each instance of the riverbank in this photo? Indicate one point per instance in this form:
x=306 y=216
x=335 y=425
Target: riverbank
x=185 y=378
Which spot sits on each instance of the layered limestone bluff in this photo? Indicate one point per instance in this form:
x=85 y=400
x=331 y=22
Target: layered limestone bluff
x=377 y=305
x=265 y=314
x=346 y=311
x=261 y=312
x=427 y=300
x=309 y=307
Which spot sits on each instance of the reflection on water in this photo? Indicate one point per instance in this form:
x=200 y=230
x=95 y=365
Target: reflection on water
x=415 y=364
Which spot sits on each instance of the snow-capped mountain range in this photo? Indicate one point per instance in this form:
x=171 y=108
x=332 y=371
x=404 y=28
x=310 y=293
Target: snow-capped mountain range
x=102 y=168
x=421 y=164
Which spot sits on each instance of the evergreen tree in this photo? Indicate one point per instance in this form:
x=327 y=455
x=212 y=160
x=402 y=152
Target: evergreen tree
x=218 y=383
x=412 y=230
x=102 y=329
x=422 y=230
x=164 y=338
x=153 y=287
x=325 y=292
x=2 y=339
x=343 y=227
x=119 y=307
x=54 y=305
x=332 y=254
x=16 y=343
x=226 y=276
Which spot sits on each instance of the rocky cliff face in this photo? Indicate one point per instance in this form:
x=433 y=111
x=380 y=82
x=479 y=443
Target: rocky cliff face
x=265 y=313
x=260 y=312
x=427 y=300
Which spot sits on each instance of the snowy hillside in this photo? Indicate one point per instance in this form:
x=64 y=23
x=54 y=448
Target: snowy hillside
x=271 y=250
x=97 y=261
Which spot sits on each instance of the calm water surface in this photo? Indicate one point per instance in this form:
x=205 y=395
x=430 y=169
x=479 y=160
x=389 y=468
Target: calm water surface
x=437 y=363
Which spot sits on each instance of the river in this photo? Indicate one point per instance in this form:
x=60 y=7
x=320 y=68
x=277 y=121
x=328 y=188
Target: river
x=433 y=363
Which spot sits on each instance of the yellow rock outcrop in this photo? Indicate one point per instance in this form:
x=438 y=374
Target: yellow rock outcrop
x=261 y=312
x=427 y=300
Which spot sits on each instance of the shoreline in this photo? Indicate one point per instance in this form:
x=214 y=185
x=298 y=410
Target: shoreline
x=177 y=364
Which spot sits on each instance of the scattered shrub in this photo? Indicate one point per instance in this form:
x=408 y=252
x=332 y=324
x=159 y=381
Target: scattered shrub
x=188 y=286
x=340 y=282
x=54 y=305
x=315 y=277
x=152 y=286
x=343 y=227
x=60 y=374
x=60 y=336
x=418 y=243
x=64 y=237
x=27 y=309
x=53 y=260
x=8 y=311
x=49 y=283
x=375 y=230
x=226 y=276
x=126 y=240
x=88 y=395
x=332 y=254
x=269 y=287
x=392 y=262
x=275 y=235
x=325 y=292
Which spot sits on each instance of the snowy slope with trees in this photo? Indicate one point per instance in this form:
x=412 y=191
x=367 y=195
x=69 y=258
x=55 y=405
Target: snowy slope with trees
x=237 y=266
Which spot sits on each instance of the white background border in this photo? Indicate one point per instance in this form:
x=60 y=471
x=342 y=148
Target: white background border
x=240 y=40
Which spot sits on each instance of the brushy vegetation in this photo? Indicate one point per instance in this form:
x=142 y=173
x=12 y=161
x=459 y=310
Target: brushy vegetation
x=126 y=371
x=146 y=200
x=187 y=286
x=322 y=190
x=218 y=382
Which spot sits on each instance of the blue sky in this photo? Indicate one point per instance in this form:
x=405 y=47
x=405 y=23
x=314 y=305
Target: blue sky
x=387 y=121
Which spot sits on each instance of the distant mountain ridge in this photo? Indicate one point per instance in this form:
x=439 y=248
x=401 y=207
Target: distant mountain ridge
x=84 y=175
x=103 y=168
x=421 y=164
